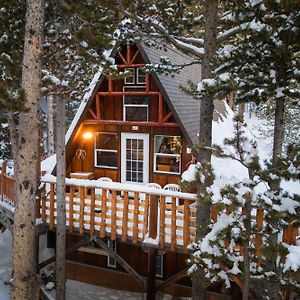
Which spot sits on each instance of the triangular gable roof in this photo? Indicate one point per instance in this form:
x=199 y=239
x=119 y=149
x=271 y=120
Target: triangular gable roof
x=185 y=108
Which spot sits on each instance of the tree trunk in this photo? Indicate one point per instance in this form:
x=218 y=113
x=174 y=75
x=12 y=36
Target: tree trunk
x=278 y=137
x=206 y=117
x=24 y=283
x=50 y=125
x=61 y=207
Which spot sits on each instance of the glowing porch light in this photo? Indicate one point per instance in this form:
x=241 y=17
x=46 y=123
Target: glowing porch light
x=87 y=135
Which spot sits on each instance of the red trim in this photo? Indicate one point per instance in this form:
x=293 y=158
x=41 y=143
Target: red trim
x=126 y=123
x=92 y=113
x=128 y=54
x=167 y=117
x=98 y=111
x=160 y=108
x=134 y=57
x=131 y=66
x=122 y=58
x=127 y=93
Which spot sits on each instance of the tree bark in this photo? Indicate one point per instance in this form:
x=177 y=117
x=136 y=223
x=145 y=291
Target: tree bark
x=50 y=125
x=205 y=137
x=61 y=207
x=278 y=136
x=24 y=283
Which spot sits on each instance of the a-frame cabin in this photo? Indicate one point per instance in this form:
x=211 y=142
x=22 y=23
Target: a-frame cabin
x=135 y=130
x=138 y=129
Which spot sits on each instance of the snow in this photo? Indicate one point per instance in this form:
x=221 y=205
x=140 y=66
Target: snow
x=5 y=263
x=106 y=55
x=48 y=164
x=292 y=259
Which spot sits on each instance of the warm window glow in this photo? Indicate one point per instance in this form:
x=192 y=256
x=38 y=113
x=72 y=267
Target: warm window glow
x=87 y=135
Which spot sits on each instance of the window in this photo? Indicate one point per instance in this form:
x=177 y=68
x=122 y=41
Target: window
x=141 y=76
x=106 y=150
x=135 y=107
x=130 y=78
x=159 y=268
x=111 y=262
x=167 y=154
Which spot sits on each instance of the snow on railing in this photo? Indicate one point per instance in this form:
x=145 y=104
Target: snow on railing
x=123 y=211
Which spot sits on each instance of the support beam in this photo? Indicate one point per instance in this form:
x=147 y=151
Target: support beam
x=93 y=114
x=152 y=252
x=127 y=93
x=134 y=57
x=127 y=123
x=178 y=276
x=128 y=53
x=121 y=261
x=122 y=57
x=160 y=108
x=70 y=250
x=131 y=66
x=167 y=117
x=98 y=110
x=110 y=85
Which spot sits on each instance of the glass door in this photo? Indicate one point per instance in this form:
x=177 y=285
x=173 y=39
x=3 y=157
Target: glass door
x=134 y=158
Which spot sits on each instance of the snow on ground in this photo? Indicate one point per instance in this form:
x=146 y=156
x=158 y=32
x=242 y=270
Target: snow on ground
x=5 y=263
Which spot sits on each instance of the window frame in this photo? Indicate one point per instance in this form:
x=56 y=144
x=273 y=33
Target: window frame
x=161 y=274
x=127 y=77
x=96 y=150
x=137 y=76
x=134 y=105
x=156 y=154
x=112 y=245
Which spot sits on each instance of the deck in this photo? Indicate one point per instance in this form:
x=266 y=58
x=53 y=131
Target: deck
x=129 y=213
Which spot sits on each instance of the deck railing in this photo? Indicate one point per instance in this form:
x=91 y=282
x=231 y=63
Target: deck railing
x=123 y=211
x=132 y=213
x=6 y=186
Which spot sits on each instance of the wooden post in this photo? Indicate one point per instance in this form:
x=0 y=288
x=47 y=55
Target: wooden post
x=92 y=214
x=128 y=54
x=103 y=212
x=81 y=213
x=186 y=219
x=162 y=222
x=146 y=215
x=173 y=224
x=110 y=84
x=44 y=206
x=71 y=209
x=152 y=252
x=113 y=228
x=125 y=217
x=98 y=109
x=135 y=218
x=160 y=108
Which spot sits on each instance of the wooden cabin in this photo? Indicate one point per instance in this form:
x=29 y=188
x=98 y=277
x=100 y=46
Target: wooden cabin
x=138 y=130
x=128 y=223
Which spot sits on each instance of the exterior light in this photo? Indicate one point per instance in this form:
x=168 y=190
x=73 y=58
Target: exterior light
x=87 y=135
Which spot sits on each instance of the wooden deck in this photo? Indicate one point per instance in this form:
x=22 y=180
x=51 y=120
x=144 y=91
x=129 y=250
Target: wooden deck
x=132 y=214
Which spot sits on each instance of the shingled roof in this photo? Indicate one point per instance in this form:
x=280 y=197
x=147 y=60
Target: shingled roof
x=185 y=108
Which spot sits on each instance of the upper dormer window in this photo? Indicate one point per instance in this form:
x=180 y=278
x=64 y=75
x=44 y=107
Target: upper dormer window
x=136 y=76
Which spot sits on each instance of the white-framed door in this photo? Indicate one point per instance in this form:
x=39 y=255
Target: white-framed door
x=134 y=158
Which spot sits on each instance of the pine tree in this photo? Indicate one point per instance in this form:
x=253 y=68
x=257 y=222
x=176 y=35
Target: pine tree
x=235 y=225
